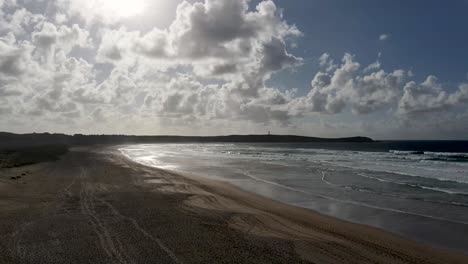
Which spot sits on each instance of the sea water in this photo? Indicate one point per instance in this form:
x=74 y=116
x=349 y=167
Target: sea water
x=418 y=189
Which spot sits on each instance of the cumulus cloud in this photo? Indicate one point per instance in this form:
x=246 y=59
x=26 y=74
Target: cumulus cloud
x=346 y=85
x=373 y=66
x=115 y=44
x=18 y=22
x=429 y=96
x=12 y=57
x=63 y=37
x=36 y=72
x=72 y=64
x=220 y=40
x=219 y=31
x=341 y=87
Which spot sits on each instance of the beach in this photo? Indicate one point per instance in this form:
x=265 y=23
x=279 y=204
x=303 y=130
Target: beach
x=94 y=205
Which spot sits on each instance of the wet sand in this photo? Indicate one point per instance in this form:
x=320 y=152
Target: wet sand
x=95 y=206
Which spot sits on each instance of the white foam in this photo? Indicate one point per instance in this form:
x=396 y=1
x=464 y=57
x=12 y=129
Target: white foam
x=353 y=202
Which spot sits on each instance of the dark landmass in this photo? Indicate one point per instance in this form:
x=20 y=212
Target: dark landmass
x=23 y=149
x=17 y=140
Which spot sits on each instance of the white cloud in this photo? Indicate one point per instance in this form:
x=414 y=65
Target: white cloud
x=210 y=67
x=19 y=21
x=347 y=86
x=384 y=37
x=221 y=30
x=214 y=39
x=429 y=96
x=373 y=66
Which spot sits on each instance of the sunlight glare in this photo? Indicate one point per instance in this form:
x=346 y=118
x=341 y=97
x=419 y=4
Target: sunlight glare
x=124 y=8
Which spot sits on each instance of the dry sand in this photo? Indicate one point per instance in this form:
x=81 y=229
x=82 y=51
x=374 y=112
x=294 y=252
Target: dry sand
x=95 y=206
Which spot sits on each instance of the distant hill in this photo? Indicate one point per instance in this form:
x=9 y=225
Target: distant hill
x=16 y=140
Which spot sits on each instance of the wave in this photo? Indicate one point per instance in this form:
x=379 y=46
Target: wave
x=383 y=167
x=304 y=161
x=420 y=186
x=436 y=156
x=406 y=152
x=370 y=190
x=350 y=201
x=402 y=162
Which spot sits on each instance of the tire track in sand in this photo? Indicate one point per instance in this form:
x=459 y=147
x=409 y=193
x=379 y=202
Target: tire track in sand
x=141 y=230
x=111 y=245
x=138 y=228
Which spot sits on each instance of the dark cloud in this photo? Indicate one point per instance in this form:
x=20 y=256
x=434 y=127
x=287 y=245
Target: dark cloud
x=224 y=68
x=12 y=57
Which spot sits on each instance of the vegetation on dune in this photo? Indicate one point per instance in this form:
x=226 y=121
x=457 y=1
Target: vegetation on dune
x=15 y=157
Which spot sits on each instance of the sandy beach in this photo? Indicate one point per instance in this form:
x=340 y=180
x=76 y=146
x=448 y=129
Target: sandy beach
x=94 y=205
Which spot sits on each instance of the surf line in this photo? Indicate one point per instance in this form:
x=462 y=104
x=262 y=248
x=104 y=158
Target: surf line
x=351 y=202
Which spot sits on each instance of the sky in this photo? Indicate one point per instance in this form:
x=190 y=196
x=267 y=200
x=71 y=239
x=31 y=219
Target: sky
x=388 y=69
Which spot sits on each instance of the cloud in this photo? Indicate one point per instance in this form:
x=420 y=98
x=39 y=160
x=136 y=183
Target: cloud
x=429 y=96
x=18 y=22
x=223 y=68
x=212 y=66
x=12 y=57
x=220 y=40
x=220 y=30
x=339 y=86
x=115 y=44
x=384 y=37
x=36 y=73
x=373 y=66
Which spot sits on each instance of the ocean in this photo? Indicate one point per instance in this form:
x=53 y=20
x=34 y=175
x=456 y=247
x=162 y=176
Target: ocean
x=417 y=189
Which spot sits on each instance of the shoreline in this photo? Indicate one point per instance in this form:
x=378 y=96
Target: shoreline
x=435 y=230
x=132 y=212
x=244 y=201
